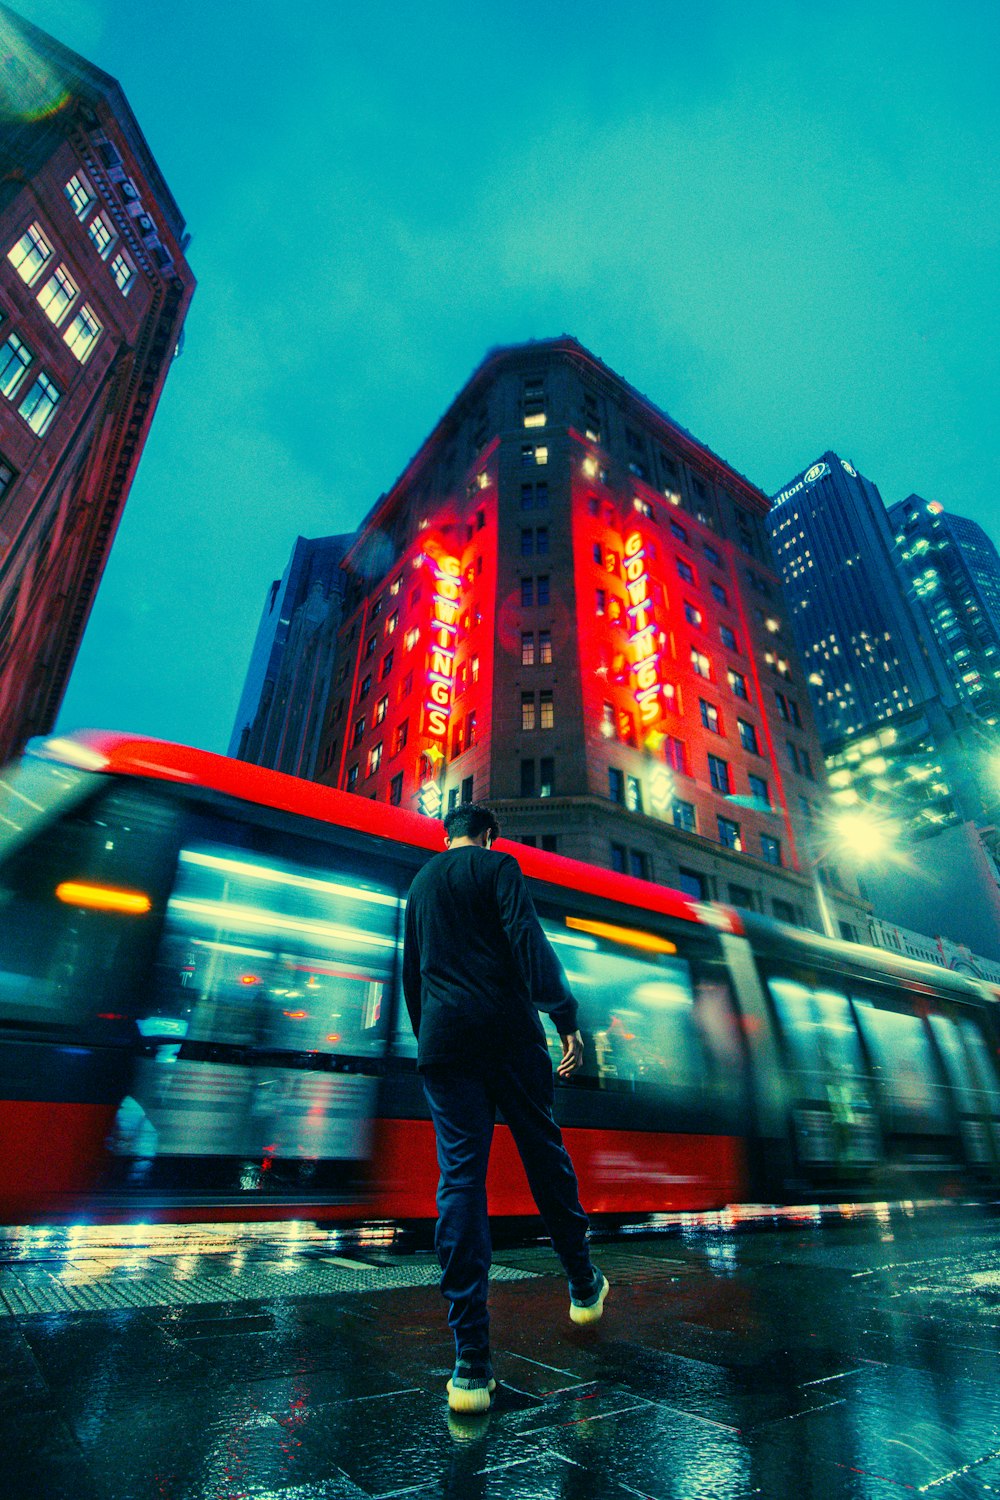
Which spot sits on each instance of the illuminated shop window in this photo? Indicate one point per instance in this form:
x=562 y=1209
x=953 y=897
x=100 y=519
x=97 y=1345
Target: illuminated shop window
x=546 y=710
x=30 y=254
x=80 y=194
x=101 y=234
x=675 y=752
x=760 y=789
x=399 y=737
x=545 y=647
x=701 y=663
x=374 y=758
x=728 y=638
x=57 y=294
x=123 y=272
x=718 y=774
x=616 y=785
x=39 y=405
x=683 y=815
x=770 y=849
x=748 y=736
x=729 y=833
x=15 y=357
x=396 y=789
x=82 y=333
x=684 y=570
x=527 y=710
x=527 y=649
x=737 y=683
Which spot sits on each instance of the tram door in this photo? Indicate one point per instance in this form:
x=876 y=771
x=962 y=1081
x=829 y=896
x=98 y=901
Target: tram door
x=972 y=1077
x=265 y=1023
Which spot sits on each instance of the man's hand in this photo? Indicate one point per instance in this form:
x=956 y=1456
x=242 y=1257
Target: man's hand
x=572 y=1053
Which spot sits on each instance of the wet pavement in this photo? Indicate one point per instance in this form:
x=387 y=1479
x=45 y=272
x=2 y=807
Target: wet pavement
x=842 y=1355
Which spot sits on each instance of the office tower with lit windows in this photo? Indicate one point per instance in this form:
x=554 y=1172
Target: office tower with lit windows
x=566 y=605
x=280 y=713
x=953 y=573
x=94 y=288
x=896 y=729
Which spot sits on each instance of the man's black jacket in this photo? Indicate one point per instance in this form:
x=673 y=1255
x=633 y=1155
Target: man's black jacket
x=477 y=966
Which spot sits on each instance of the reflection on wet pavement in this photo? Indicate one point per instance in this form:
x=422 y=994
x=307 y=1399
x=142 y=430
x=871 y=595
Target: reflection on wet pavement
x=848 y=1355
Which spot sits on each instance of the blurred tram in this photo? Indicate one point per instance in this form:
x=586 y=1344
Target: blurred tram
x=201 y=1018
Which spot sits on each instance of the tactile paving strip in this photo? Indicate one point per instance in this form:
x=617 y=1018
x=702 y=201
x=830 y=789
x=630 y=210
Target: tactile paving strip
x=50 y=1293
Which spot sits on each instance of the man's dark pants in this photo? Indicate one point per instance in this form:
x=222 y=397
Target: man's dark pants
x=463 y=1107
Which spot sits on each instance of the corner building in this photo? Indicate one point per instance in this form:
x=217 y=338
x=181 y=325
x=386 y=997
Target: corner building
x=94 y=289
x=566 y=605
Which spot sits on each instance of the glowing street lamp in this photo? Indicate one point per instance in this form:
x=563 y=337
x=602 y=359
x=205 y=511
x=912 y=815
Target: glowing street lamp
x=863 y=834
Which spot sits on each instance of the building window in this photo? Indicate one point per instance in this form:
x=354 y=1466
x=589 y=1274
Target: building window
x=359 y=730
x=793 y=756
x=80 y=194
x=729 y=833
x=807 y=769
x=547 y=774
x=366 y=683
x=453 y=799
x=719 y=594
x=527 y=541
x=7 y=476
x=728 y=638
x=602 y=601
x=685 y=570
x=352 y=778
x=782 y=703
x=638 y=864
x=399 y=736
x=527 y=778
x=15 y=357
x=527 y=592
x=123 y=272
x=683 y=815
x=712 y=554
x=527 y=496
x=374 y=758
x=370 y=644
x=793 y=709
x=718 y=774
x=618 y=858
x=616 y=785
x=82 y=333
x=30 y=254
x=411 y=638
x=543 y=589
x=542 y=541
x=678 y=531
x=783 y=910
x=527 y=710
x=692 y=614
x=550 y=843
x=675 y=752
x=381 y=709
x=633 y=794
x=470 y=730
x=692 y=884
x=396 y=789
x=456 y=741
x=545 y=648
x=392 y=622
x=474 y=669
x=770 y=849
x=39 y=404
x=101 y=234
x=710 y=716
x=467 y=789
x=386 y=666
x=748 y=736
x=527 y=649
x=760 y=789
x=737 y=684
x=700 y=662
x=57 y=294
x=546 y=710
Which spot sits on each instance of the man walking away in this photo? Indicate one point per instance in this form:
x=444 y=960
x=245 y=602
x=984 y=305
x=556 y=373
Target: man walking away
x=477 y=968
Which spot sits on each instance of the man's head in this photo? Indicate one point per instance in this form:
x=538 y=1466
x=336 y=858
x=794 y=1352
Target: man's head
x=472 y=823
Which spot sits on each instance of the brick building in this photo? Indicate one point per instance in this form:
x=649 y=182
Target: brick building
x=94 y=289
x=566 y=604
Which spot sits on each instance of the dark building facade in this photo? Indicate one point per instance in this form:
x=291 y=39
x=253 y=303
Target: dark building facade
x=953 y=572
x=94 y=288
x=280 y=714
x=895 y=730
x=566 y=604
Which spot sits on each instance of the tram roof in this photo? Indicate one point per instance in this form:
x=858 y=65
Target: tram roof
x=115 y=752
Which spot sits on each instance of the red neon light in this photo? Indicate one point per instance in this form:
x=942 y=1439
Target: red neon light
x=441 y=655
x=643 y=634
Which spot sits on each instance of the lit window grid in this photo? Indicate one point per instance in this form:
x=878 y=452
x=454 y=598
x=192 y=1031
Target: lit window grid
x=123 y=272
x=82 y=333
x=102 y=235
x=15 y=357
x=57 y=295
x=39 y=404
x=80 y=194
x=30 y=254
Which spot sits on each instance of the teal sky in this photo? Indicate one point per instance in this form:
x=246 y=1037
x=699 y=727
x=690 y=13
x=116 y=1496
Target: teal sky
x=777 y=220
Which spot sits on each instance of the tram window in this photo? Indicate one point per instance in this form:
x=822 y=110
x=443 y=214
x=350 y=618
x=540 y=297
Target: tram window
x=818 y=1028
x=79 y=909
x=983 y=1063
x=956 y=1064
x=905 y=1069
x=32 y=791
x=287 y=946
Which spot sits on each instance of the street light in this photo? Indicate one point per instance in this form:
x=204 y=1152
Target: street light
x=863 y=835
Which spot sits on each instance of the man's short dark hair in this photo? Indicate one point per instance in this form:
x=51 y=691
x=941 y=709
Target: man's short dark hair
x=470 y=821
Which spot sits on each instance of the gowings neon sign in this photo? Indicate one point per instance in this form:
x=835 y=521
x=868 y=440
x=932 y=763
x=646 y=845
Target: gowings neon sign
x=643 y=634
x=443 y=637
